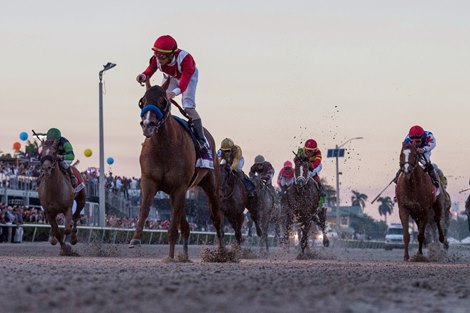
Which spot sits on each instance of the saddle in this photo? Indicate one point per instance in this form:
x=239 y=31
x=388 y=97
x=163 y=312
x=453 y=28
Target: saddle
x=203 y=159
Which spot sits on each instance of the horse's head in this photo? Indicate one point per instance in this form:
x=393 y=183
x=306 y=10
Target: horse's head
x=48 y=156
x=155 y=108
x=226 y=181
x=301 y=171
x=408 y=158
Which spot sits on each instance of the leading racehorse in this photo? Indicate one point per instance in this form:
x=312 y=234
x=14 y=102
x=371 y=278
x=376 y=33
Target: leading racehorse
x=56 y=195
x=167 y=162
x=416 y=197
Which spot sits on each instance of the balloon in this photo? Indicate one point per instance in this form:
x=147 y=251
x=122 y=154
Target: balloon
x=110 y=160
x=17 y=146
x=23 y=136
x=88 y=153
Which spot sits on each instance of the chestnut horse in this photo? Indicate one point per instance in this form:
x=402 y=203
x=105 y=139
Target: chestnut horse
x=233 y=199
x=302 y=200
x=167 y=163
x=416 y=198
x=56 y=195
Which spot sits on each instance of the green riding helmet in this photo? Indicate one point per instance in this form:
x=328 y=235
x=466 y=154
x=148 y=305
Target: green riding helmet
x=53 y=134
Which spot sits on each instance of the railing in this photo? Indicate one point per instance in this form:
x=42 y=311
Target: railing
x=40 y=232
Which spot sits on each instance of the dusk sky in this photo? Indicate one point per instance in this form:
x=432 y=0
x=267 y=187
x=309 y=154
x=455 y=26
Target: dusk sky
x=271 y=75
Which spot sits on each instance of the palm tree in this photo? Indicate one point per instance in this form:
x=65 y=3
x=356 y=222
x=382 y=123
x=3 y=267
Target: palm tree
x=385 y=207
x=358 y=199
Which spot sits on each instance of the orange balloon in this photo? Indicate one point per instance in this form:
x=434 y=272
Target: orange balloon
x=17 y=146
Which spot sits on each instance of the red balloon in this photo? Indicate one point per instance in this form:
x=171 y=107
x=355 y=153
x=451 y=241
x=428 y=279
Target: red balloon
x=17 y=146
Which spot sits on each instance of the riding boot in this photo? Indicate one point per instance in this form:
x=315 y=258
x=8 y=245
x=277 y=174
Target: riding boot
x=73 y=179
x=320 y=186
x=430 y=169
x=199 y=132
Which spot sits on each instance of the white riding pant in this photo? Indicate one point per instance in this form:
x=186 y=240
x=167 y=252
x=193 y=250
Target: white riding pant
x=315 y=171
x=189 y=95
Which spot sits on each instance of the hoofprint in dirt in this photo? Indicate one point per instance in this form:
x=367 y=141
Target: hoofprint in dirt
x=357 y=280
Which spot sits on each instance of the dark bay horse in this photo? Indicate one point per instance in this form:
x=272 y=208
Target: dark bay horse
x=167 y=162
x=302 y=200
x=467 y=211
x=416 y=198
x=233 y=199
x=263 y=205
x=56 y=195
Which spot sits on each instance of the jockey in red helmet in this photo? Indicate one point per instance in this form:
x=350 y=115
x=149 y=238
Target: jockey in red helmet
x=180 y=68
x=313 y=154
x=286 y=176
x=424 y=142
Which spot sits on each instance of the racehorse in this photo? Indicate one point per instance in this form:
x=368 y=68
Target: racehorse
x=167 y=162
x=416 y=198
x=56 y=195
x=302 y=200
x=263 y=205
x=467 y=211
x=233 y=199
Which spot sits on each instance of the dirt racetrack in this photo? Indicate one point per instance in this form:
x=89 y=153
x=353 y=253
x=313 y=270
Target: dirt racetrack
x=33 y=278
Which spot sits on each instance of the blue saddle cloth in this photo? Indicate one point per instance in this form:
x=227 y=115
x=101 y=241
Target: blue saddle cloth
x=203 y=159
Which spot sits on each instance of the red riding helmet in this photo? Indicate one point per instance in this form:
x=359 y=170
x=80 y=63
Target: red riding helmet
x=165 y=45
x=310 y=144
x=287 y=164
x=416 y=131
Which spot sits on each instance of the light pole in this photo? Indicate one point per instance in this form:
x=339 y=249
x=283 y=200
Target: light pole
x=337 y=153
x=106 y=67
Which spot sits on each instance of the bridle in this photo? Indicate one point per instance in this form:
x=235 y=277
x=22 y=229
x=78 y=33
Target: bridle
x=160 y=114
x=52 y=158
x=407 y=167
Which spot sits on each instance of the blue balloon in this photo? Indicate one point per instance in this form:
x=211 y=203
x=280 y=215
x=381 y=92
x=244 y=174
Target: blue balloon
x=23 y=136
x=110 y=160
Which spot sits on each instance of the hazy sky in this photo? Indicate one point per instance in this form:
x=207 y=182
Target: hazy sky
x=271 y=74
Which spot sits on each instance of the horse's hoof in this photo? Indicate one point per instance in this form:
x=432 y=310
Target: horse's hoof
x=66 y=250
x=326 y=243
x=446 y=245
x=134 y=243
x=168 y=260
x=53 y=241
x=73 y=241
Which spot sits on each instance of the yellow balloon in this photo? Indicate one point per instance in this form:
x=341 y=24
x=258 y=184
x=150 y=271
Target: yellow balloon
x=88 y=153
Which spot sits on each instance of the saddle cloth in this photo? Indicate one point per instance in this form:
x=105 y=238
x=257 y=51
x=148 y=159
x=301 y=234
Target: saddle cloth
x=203 y=160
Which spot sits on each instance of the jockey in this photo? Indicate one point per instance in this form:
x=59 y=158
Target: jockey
x=64 y=152
x=424 y=142
x=263 y=169
x=230 y=153
x=286 y=176
x=313 y=155
x=180 y=68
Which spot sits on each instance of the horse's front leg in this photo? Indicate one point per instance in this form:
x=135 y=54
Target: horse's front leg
x=178 y=218
x=210 y=189
x=148 y=194
x=421 y=230
x=404 y=217
x=68 y=222
x=322 y=224
x=55 y=233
